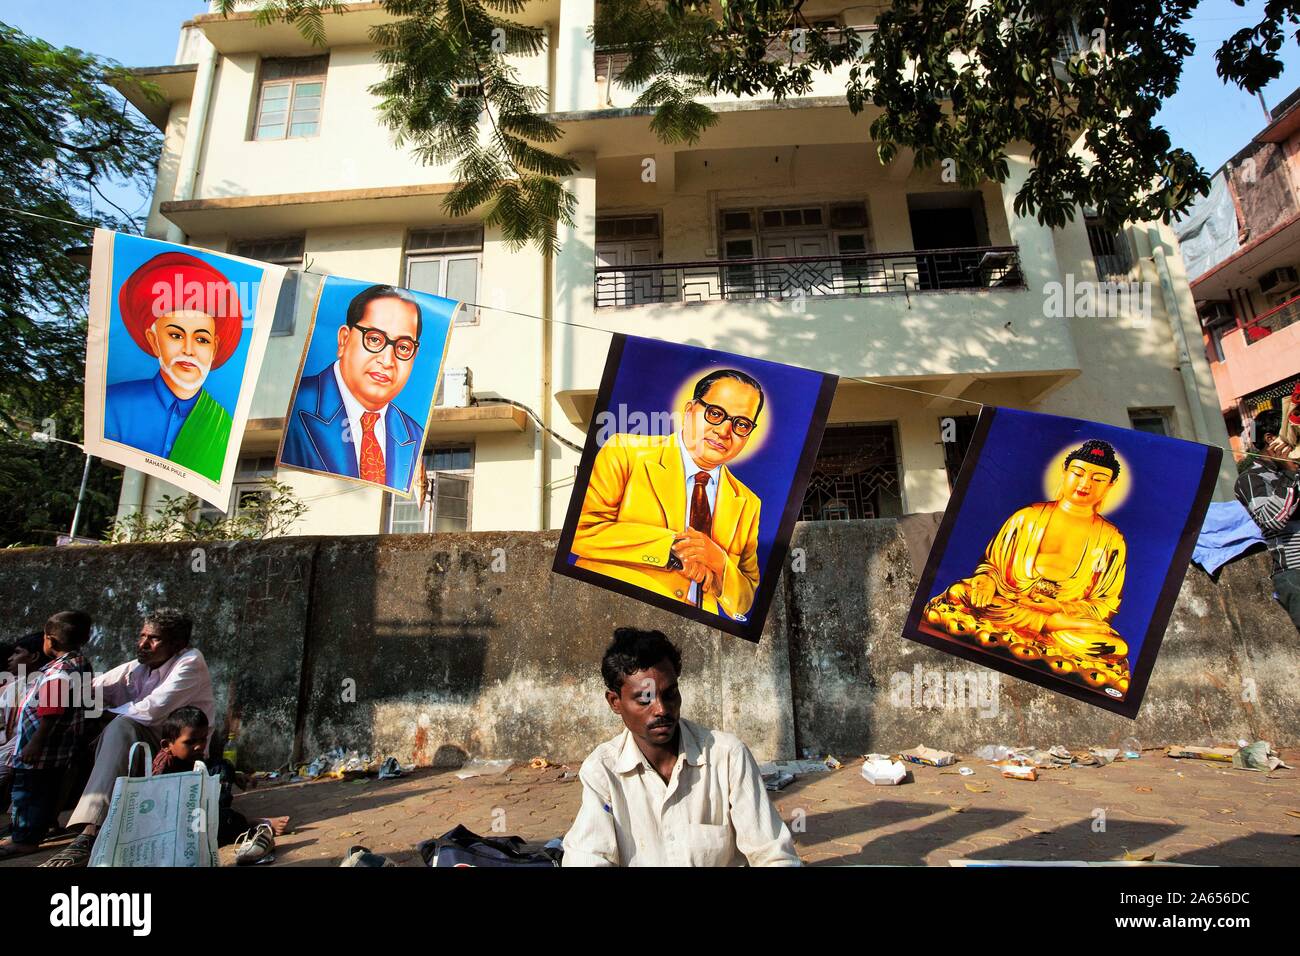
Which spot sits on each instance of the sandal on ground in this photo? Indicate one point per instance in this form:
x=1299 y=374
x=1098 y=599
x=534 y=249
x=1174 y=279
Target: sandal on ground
x=76 y=853
x=255 y=846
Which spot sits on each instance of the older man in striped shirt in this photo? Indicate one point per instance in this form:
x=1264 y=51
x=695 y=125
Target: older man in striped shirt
x=1270 y=490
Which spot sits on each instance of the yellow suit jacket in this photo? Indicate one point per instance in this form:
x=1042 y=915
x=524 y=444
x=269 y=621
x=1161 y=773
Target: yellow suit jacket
x=636 y=504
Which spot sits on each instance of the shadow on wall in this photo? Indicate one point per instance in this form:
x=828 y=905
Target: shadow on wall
x=441 y=648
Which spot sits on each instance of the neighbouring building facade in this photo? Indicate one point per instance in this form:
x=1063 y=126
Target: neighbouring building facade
x=779 y=234
x=1242 y=248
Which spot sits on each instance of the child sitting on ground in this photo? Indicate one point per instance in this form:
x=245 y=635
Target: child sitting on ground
x=184 y=740
x=50 y=727
x=25 y=658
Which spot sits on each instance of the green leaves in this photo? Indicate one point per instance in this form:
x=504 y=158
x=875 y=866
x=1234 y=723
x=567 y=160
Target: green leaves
x=64 y=134
x=452 y=96
x=1076 y=81
x=272 y=511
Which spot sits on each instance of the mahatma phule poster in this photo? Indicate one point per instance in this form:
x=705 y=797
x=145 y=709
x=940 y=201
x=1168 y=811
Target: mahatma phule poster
x=174 y=346
x=365 y=390
x=1062 y=551
x=692 y=478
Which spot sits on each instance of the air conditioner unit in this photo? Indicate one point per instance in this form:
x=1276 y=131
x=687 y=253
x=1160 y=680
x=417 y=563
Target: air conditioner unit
x=457 y=388
x=1278 y=281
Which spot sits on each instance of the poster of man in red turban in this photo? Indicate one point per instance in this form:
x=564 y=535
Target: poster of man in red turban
x=175 y=344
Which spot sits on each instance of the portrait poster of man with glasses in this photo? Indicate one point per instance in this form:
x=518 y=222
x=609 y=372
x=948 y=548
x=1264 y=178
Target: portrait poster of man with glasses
x=366 y=385
x=692 y=477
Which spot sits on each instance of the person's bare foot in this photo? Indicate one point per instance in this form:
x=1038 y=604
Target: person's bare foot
x=277 y=824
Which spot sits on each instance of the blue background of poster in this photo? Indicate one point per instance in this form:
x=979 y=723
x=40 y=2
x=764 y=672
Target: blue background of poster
x=1165 y=475
x=652 y=373
x=127 y=362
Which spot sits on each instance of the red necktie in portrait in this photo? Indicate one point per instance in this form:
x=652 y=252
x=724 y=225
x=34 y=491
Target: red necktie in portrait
x=372 y=456
x=701 y=518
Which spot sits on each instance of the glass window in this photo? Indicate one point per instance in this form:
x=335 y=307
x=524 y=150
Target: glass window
x=446 y=262
x=449 y=483
x=281 y=251
x=1154 y=421
x=290 y=99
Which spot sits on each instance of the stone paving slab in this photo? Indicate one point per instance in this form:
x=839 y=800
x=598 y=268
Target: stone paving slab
x=1181 y=811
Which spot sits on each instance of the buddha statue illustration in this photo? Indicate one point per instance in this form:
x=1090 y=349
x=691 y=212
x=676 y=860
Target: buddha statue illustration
x=1050 y=581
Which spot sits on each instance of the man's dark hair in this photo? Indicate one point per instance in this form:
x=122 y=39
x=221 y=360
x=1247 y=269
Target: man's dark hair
x=703 y=385
x=171 y=624
x=357 y=307
x=1095 y=452
x=182 y=718
x=1266 y=423
x=69 y=629
x=32 y=643
x=635 y=650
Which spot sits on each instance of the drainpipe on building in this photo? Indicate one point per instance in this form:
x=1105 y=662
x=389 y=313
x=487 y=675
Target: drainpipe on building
x=1174 y=316
x=195 y=131
x=540 y=443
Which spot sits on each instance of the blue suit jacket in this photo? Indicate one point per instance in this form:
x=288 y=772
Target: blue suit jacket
x=314 y=434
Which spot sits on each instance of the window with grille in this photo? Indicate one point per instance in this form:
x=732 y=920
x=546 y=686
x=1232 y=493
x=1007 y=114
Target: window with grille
x=1110 y=250
x=446 y=495
x=280 y=251
x=290 y=97
x=1155 y=421
x=446 y=262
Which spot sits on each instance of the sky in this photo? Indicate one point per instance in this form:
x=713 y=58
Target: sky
x=1210 y=119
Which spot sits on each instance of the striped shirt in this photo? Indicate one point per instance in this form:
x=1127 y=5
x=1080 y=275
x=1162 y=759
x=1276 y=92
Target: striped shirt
x=1272 y=497
x=58 y=692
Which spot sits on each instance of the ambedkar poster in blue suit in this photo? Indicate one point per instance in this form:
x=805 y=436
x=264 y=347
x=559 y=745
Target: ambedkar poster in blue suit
x=366 y=385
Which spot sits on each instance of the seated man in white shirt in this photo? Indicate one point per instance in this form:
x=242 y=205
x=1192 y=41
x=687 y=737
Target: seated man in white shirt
x=668 y=792
x=138 y=695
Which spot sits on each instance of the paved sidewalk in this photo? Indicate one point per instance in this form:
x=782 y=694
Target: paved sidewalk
x=1184 y=811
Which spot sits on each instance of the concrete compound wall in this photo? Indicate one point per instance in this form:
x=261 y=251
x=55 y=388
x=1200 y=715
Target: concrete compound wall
x=435 y=648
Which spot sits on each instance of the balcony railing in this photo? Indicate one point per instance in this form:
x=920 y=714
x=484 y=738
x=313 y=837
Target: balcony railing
x=872 y=273
x=1274 y=320
x=611 y=61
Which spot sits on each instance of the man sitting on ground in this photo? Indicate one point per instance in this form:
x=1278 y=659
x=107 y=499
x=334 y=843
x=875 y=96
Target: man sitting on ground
x=139 y=695
x=668 y=792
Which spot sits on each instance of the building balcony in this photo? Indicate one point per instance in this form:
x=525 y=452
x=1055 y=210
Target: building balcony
x=1263 y=352
x=792 y=277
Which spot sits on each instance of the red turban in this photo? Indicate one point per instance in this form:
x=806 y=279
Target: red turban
x=178 y=282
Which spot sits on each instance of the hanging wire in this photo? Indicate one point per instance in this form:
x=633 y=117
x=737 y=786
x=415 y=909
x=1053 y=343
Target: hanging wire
x=595 y=328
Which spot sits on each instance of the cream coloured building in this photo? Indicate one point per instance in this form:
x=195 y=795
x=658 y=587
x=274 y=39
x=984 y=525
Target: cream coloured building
x=779 y=235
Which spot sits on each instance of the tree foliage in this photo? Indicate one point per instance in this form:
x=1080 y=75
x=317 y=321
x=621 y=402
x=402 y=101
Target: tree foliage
x=64 y=135
x=1078 y=81
x=265 y=514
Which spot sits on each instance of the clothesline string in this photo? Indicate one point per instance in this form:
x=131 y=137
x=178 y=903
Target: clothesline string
x=542 y=318
x=596 y=328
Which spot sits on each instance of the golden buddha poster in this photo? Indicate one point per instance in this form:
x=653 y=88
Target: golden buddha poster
x=1061 y=553
x=691 y=479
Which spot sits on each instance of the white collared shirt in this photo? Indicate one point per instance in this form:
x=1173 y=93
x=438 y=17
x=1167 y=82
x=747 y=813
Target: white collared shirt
x=148 y=696
x=710 y=490
x=713 y=811
x=354 y=411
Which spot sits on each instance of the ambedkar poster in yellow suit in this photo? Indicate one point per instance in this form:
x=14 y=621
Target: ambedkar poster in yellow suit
x=1062 y=551
x=692 y=478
